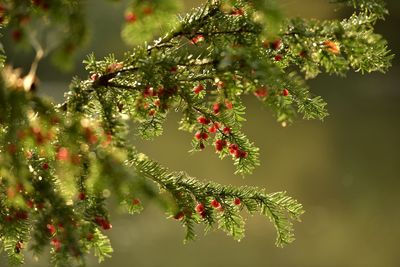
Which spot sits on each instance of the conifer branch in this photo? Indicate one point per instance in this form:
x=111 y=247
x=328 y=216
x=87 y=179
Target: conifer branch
x=280 y=208
x=60 y=163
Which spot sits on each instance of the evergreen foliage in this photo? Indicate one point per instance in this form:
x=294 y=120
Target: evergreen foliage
x=59 y=164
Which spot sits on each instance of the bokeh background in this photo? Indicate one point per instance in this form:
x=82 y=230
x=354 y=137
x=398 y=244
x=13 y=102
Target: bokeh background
x=346 y=171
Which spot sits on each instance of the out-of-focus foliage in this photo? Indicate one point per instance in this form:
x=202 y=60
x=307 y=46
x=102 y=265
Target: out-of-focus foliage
x=146 y=20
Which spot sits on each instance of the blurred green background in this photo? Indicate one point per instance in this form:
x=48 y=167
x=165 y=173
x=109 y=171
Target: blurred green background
x=346 y=171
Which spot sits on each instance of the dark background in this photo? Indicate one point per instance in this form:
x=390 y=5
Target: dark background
x=345 y=171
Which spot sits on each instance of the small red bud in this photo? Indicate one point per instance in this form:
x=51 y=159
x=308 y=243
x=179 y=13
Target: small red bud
x=237 y=12
x=237 y=201
x=203 y=120
x=201 y=135
x=220 y=144
x=228 y=104
x=60 y=226
x=261 y=92
x=276 y=45
x=332 y=47
x=227 y=130
x=285 y=92
x=94 y=76
x=148 y=91
x=28 y=154
x=200 y=208
x=90 y=236
x=130 y=17
x=202 y=146
x=114 y=67
x=106 y=225
x=102 y=222
x=51 y=228
x=179 y=216
x=215 y=204
x=197 y=39
x=278 y=57
x=240 y=154
x=30 y=203
x=216 y=108
x=81 y=196
x=220 y=84
x=62 y=154
x=197 y=89
x=233 y=148
x=18 y=247
x=98 y=220
x=212 y=129
x=56 y=244
x=45 y=166
x=136 y=201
